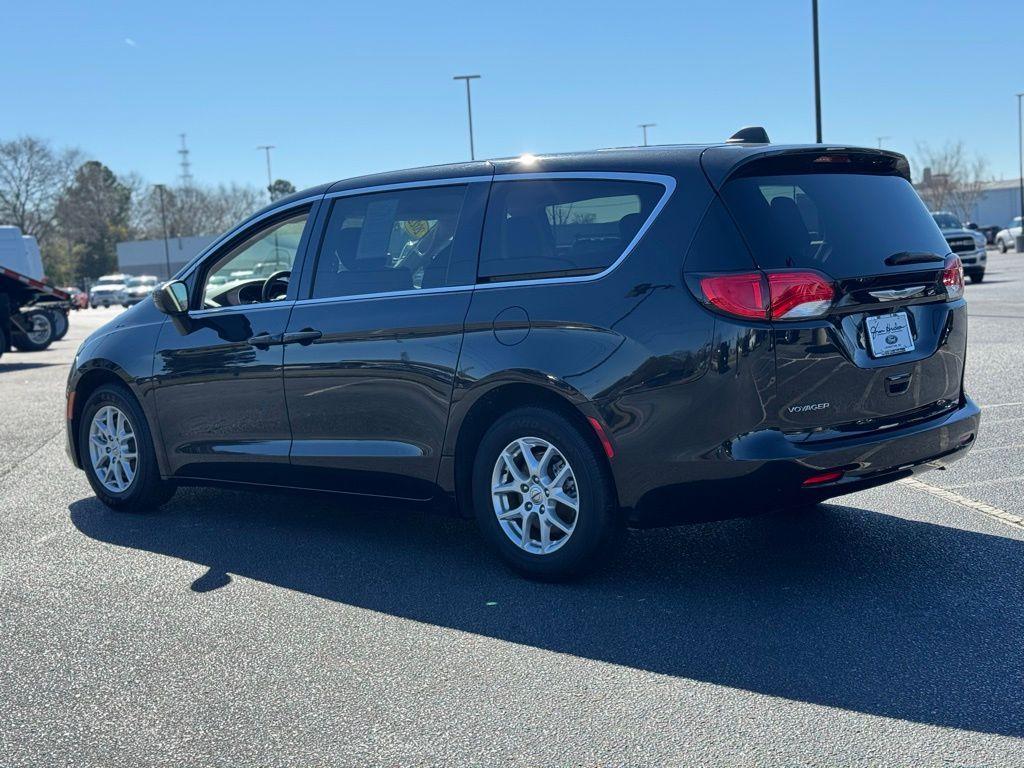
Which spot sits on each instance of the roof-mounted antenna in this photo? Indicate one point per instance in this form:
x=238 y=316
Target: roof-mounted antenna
x=753 y=134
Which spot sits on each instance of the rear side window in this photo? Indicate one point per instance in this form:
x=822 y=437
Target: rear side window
x=561 y=227
x=843 y=224
x=388 y=241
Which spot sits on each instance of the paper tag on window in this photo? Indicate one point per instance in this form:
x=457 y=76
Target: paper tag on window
x=377 y=225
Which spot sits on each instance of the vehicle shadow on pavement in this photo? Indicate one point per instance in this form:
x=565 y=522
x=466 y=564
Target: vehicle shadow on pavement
x=11 y=367
x=840 y=607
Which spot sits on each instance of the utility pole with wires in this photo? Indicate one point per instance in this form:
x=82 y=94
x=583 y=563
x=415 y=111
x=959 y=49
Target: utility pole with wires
x=270 y=179
x=469 y=110
x=186 y=166
x=643 y=127
x=881 y=139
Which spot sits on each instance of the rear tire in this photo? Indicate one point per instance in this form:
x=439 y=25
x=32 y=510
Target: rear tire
x=60 y=324
x=595 y=525
x=40 y=331
x=144 y=491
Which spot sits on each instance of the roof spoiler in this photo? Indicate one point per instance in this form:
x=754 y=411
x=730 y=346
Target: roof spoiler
x=753 y=134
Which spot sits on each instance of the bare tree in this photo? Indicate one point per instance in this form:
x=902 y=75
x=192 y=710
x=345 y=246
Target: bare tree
x=950 y=179
x=32 y=178
x=192 y=210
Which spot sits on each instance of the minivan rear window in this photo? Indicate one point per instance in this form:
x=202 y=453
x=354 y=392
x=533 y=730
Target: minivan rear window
x=844 y=224
x=561 y=227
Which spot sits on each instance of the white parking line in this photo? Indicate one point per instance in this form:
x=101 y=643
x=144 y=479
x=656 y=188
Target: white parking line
x=998 y=481
x=996 y=513
x=1002 y=405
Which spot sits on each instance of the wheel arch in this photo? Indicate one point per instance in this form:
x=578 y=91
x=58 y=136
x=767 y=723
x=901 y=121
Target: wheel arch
x=87 y=382
x=500 y=398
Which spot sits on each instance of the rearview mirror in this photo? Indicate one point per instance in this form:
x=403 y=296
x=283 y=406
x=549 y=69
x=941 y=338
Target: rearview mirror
x=171 y=297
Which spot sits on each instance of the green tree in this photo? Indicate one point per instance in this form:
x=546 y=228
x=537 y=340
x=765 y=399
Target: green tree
x=94 y=212
x=280 y=188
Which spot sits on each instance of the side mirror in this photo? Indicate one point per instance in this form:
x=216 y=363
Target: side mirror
x=171 y=298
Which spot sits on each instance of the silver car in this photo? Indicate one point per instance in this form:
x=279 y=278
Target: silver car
x=138 y=288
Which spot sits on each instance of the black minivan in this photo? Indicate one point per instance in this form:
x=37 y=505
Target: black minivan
x=559 y=346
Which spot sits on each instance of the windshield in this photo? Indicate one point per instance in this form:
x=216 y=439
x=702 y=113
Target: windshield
x=843 y=224
x=947 y=221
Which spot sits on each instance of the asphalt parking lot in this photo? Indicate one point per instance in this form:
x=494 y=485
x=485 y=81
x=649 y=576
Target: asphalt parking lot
x=236 y=628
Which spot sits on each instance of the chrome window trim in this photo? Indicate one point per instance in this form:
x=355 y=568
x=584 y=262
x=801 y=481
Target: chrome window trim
x=191 y=267
x=259 y=307
x=388 y=294
x=668 y=182
x=399 y=185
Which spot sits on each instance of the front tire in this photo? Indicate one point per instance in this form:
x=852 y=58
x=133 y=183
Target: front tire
x=543 y=496
x=116 y=448
x=1002 y=245
x=976 y=277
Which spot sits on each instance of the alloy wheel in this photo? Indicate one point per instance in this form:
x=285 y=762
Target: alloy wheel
x=535 y=496
x=113 y=449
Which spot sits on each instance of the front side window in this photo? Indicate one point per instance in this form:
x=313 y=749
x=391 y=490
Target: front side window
x=241 y=275
x=388 y=241
x=550 y=227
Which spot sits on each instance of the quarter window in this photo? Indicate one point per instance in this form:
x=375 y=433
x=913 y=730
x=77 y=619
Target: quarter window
x=561 y=226
x=389 y=241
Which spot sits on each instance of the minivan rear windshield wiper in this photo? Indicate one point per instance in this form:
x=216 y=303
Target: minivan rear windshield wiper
x=912 y=257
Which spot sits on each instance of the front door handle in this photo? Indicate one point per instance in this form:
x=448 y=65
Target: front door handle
x=265 y=340
x=305 y=336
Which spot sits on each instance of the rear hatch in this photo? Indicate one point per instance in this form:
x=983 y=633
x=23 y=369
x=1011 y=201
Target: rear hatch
x=887 y=346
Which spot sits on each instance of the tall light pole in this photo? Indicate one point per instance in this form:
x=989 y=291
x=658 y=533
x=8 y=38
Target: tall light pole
x=1020 y=169
x=469 y=110
x=643 y=127
x=881 y=139
x=270 y=179
x=817 y=74
x=163 y=221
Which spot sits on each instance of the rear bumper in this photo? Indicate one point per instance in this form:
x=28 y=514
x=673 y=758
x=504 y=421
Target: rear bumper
x=765 y=470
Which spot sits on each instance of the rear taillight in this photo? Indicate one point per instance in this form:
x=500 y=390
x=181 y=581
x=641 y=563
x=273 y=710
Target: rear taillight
x=769 y=295
x=953 y=278
x=796 y=295
x=743 y=295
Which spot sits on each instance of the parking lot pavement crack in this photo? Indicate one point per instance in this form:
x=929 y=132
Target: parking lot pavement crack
x=4 y=473
x=1008 y=518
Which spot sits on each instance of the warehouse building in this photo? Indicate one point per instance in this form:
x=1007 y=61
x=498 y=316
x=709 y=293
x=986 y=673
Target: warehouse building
x=147 y=257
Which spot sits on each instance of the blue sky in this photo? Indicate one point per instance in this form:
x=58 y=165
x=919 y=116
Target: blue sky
x=348 y=88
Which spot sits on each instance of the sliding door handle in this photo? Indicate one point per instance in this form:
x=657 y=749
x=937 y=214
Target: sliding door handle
x=265 y=340
x=305 y=336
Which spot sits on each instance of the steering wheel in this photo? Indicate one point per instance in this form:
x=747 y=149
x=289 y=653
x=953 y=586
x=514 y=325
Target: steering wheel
x=281 y=276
